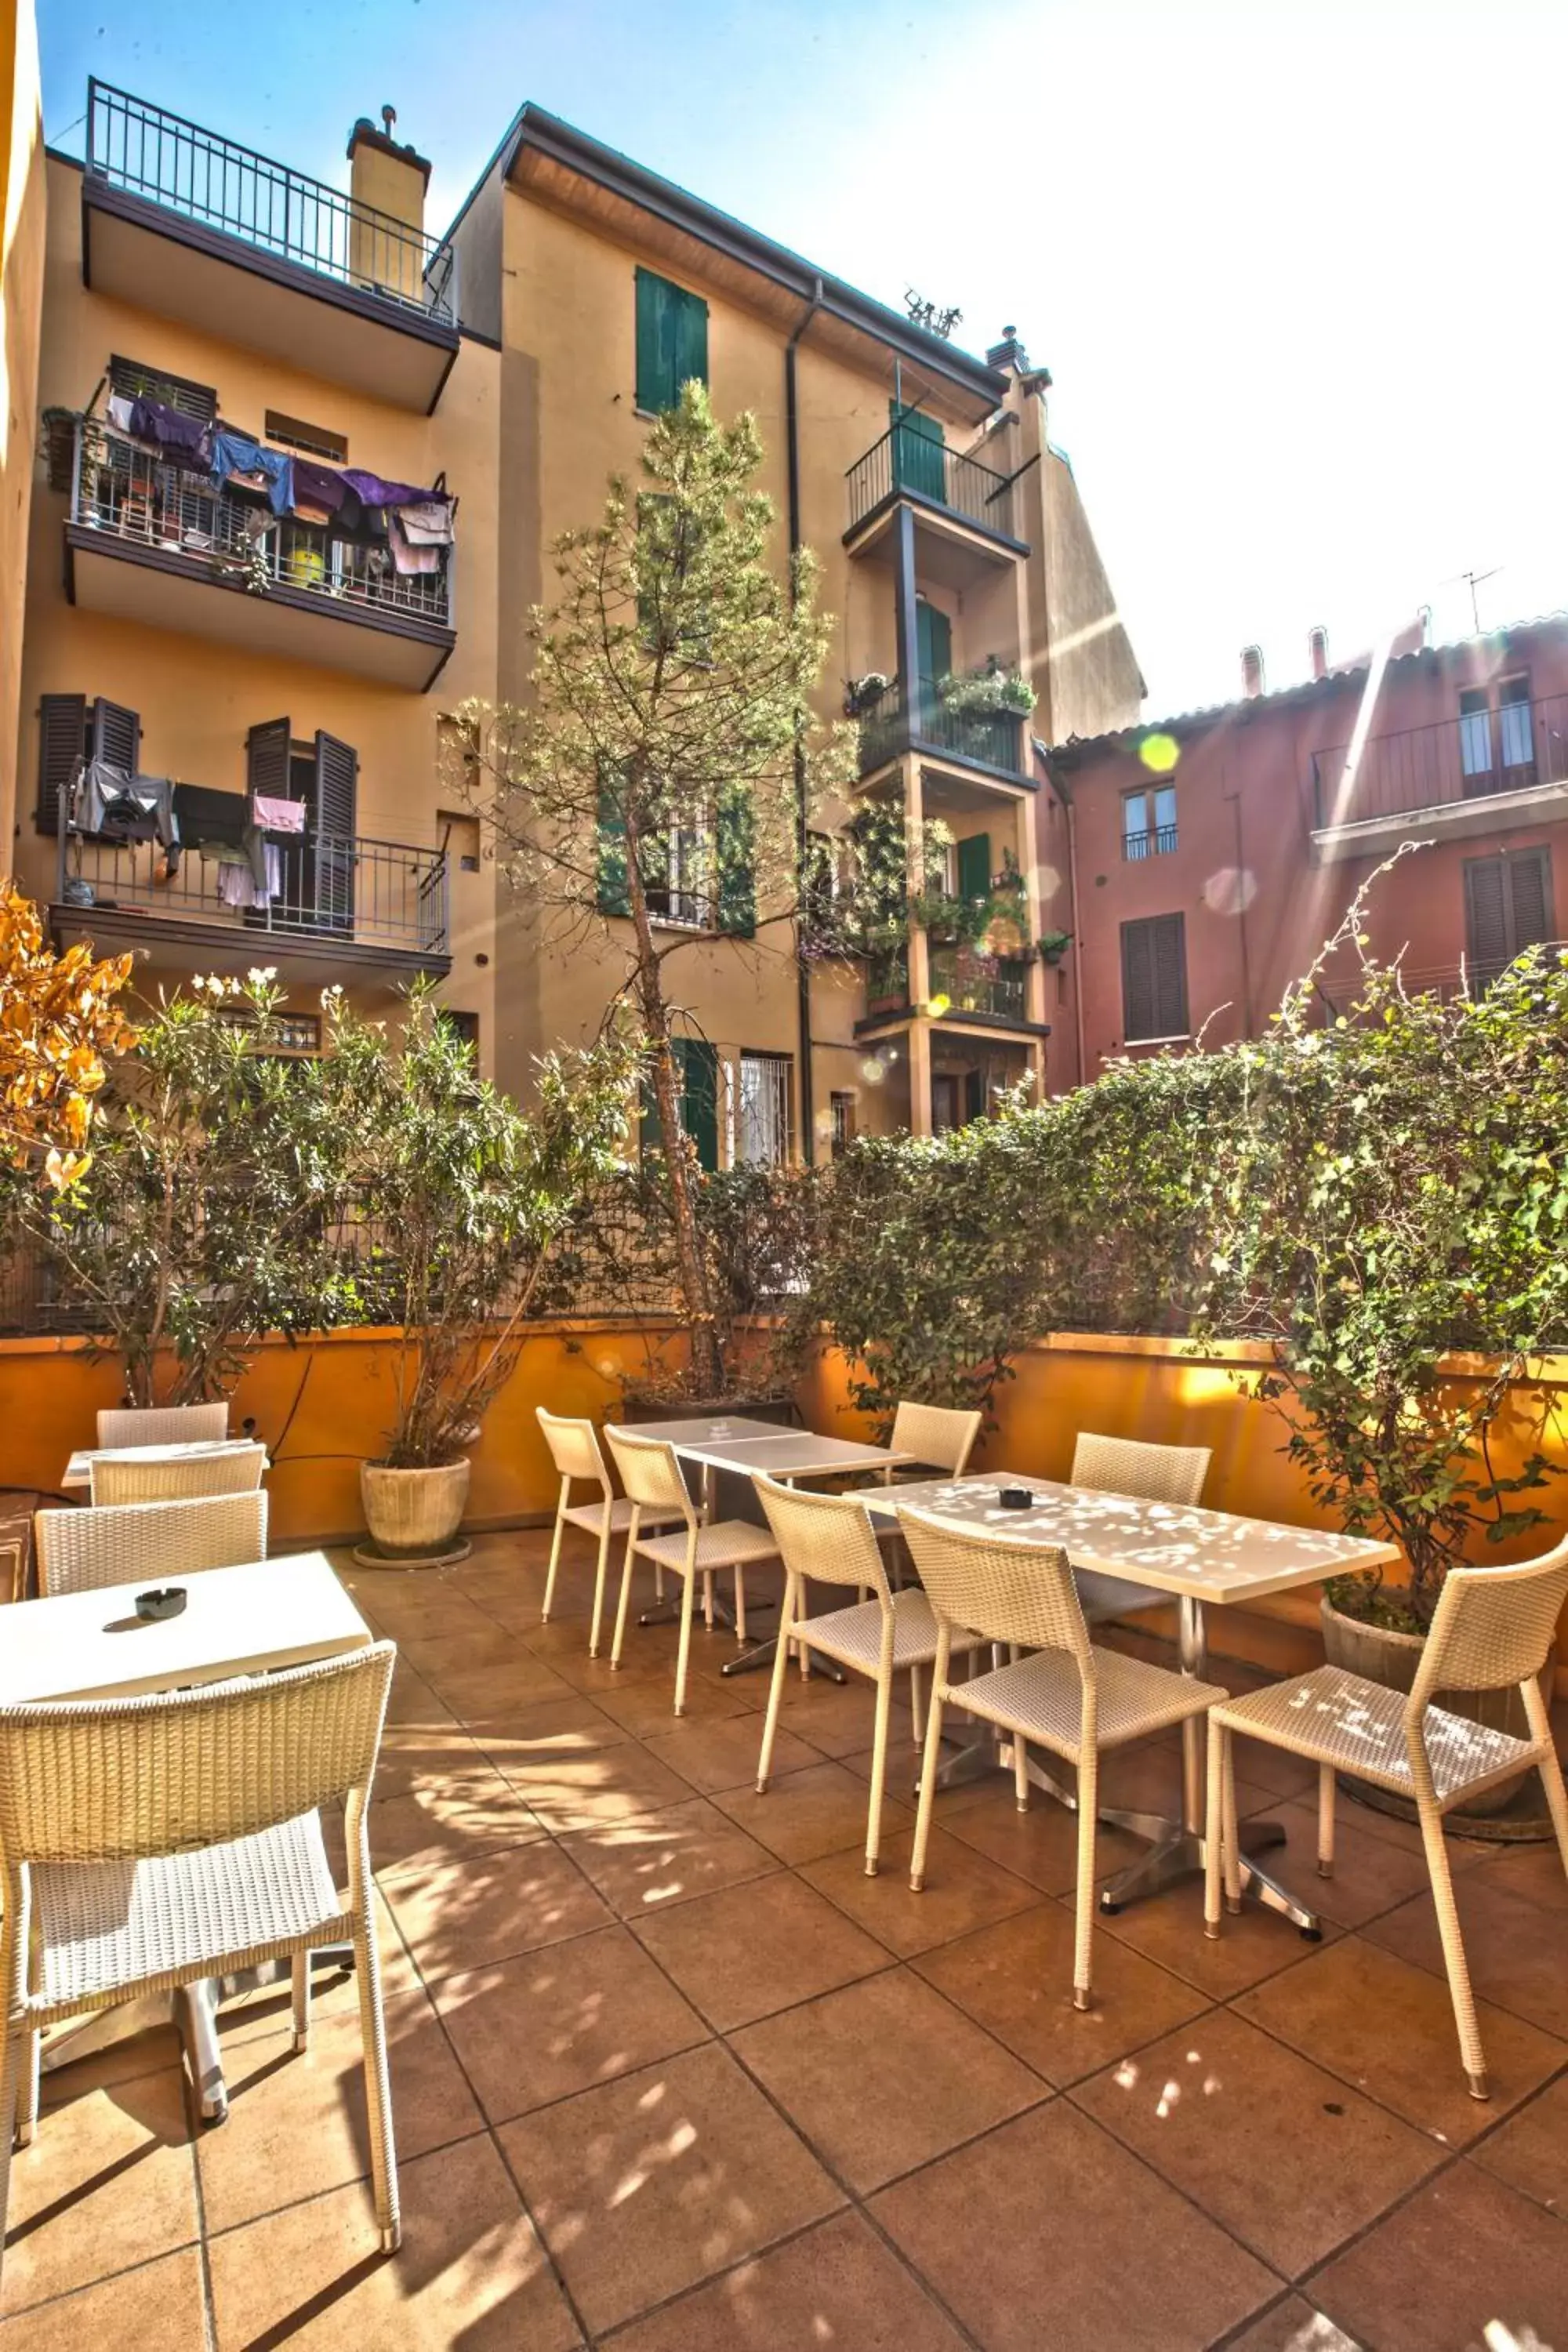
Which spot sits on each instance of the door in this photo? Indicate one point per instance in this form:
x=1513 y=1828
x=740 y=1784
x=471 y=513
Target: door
x=974 y=865
x=1508 y=907
x=335 y=821
x=933 y=642
x=919 y=455
x=944 y=1102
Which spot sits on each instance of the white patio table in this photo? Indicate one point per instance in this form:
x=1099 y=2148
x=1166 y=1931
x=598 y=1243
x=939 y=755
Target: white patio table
x=1193 y=1556
x=248 y=1619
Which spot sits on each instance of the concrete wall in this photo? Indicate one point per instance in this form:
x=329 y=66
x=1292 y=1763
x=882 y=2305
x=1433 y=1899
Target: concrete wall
x=21 y=302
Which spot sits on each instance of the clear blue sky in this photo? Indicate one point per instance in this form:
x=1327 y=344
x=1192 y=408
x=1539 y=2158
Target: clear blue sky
x=1294 y=267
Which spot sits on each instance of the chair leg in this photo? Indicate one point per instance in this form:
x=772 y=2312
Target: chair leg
x=599 y=1575
x=775 y=1686
x=624 y=1603
x=554 y=1565
x=740 y=1604
x=929 y=1766
x=1454 y=1961
x=917 y=1718
x=377 y=2082
x=879 y=1771
x=10 y=2062
x=300 y=2000
x=28 y=2075
x=1020 y=1772
x=707 y=1600
x=1325 y=1821
x=1230 y=1838
x=689 y=1587
x=1083 y=1929
x=1214 y=1831
x=1550 y=1768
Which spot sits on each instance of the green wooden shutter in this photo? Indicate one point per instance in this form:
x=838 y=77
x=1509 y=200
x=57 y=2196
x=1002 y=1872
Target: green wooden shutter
x=918 y=453
x=735 y=832
x=699 y=1098
x=933 y=651
x=613 y=889
x=690 y=339
x=671 y=341
x=975 y=867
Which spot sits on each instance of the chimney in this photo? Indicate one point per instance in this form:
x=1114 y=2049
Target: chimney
x=1009 y=352
x=1251 y=672
x=1318 y=651
x=386 y=187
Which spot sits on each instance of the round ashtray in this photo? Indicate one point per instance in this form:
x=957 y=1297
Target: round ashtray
x=163 y=1600
x=1015 y=1499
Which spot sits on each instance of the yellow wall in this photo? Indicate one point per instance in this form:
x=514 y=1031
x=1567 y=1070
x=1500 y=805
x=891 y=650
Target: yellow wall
x=21 y=298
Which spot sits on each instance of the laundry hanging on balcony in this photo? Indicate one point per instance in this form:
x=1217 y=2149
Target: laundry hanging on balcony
x=237 y=460
x=179 y=440
x=110 y=804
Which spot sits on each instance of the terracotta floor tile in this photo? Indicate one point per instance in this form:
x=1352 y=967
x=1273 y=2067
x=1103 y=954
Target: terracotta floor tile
x=1385 y=2026
x=122 y=2060
x=840 y=1718
x=642 y=1709
x=1016 y=1980
x=108 y=2181
x=161 y=2303
x=836 y=2289
x=479 y=1693
x=1293 y=2325
x=660 y=1859
x=1371 y=1875
x=749 y=1950
x=884 y=2075
x=1465 y=2252
x=650 y=2185
x=613 y=1784
x=412 y=1701
x=297 y=2123
x=1530 y=2151
x=480 y=1645
x=462 y=1915
x=454 y=1822
x=1041 y=1844
x=470 y=2271
x=963 y=1891
x=423 y=1756
x=1516 y=1950
x=1535 y=1872
x=807 y=1814
x=544 y=1729
x=548 y=2023
x=1254 y=1943
x=1286 y=2157
x=335 y=1991
x=1047 y=2232
x=724 y=1754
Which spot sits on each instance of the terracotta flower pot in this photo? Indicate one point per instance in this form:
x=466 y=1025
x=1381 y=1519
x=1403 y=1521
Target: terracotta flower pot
x=413 y=1515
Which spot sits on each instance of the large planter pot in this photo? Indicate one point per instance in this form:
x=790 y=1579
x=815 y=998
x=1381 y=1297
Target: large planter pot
x=413 y=1515
x=1379 y=1654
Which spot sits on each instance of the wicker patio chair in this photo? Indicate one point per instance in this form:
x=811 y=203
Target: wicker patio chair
x=830 y=1538
x=651 y=1472
x=1066 y=1696
x=152 y=1842
x=164 y=1424
x=1155 y=1474
x=939 y=1437
x=1491 y=1629
x=574 y=1450
x=117 y=1543
x=236 y=1470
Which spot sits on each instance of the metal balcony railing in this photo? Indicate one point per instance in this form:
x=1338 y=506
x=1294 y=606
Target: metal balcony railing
x=996 y=986
x=1472 y=756
x=904 y=459
x=331 y=887
x=993 y=738
x=1156 y=841
x=129 y=493
x=176 y=164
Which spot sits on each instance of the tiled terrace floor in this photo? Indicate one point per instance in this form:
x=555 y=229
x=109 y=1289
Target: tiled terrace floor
x=672 y=2074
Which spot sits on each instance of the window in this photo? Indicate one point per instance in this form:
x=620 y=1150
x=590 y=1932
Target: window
x=1508 y=907
x=841 y=1122
x=132 y=380
x=1149 y=822
x=315 y=440
x=466 y=1024
x=671 y=341
x=1496 y=746
x=71 y=730
x=763 y=1137
x=460 y=838
x=1154 y=978
x=698 y=874
x=682 y=893
x=697 y=1073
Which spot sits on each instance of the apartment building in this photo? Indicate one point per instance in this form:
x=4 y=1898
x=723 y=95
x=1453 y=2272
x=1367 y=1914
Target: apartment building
x=225 y=342
x=1210 y=855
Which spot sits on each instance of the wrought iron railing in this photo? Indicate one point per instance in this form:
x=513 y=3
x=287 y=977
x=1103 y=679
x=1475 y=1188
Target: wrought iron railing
x=1467 y=978
x=328 y=888
x=996 y=986
x=129 y=493
x=993 y=738
x=905 y=460
x=176 y=164
x=1474 y=756
x=1156 y=841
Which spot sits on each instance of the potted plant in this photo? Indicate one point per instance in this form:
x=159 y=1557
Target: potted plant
x=991 y=690
x=861 y=695
x=466 y=1200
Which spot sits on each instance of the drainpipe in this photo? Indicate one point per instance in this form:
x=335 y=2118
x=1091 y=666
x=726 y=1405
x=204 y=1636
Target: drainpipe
x=1066 y=798
x=803 y=968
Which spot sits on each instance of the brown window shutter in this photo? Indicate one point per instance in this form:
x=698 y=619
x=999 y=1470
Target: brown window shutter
x=116 y=735
x=1530 y=893
x=1486 y=914
x=1170 y=956
x=1137 y=982
x=62 y=737
x=267 y=750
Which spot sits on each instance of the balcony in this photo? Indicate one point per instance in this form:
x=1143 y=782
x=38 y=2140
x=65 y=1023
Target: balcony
x=150 y=541
x=344 y=907
x=942 y=484
x=995 y=988
x=1460 y=777
x=1158 y=841
x=182 y=223
x=988 y=739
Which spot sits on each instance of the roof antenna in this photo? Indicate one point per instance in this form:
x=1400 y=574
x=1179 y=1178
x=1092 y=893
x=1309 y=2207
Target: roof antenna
x=388 y=117
x=1473 y=581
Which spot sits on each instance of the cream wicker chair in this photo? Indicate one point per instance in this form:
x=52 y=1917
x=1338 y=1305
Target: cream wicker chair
x=1491 y=1629
x=150 y=1843
x=830 y=1538
x=164 y=1424
x=574 y=1450
x=1066 y=1696
x=939 y=1437
x=651 y=1472
x=1156 y=1473
x=76 y=1550
x=236 y=1469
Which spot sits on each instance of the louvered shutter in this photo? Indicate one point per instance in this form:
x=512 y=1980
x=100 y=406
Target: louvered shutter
x=690 y=339
x=1530 y=896
x=975 y=867
x=116 y=735
x=614 y=890
x=267 y=754
x=699 y=1098
x=1486 y=915
x=337 y=822
x=918 y=462
x=62 y=732
x=736 y=837
x=1137 y=982
x=1170 y=959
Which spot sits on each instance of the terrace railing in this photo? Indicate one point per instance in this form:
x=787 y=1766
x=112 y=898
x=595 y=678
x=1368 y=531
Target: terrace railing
x=996 y=986
x=129 y=493
x=1155 y=841
x=993 y=738
x=904 y=459
x=1472 y=756
x=176 y=164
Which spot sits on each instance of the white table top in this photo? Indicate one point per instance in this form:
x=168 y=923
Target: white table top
x=1168 y=1546
x=792 y=1454
x=79 y=1469
x=704 y=1428
x=235 y=1621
